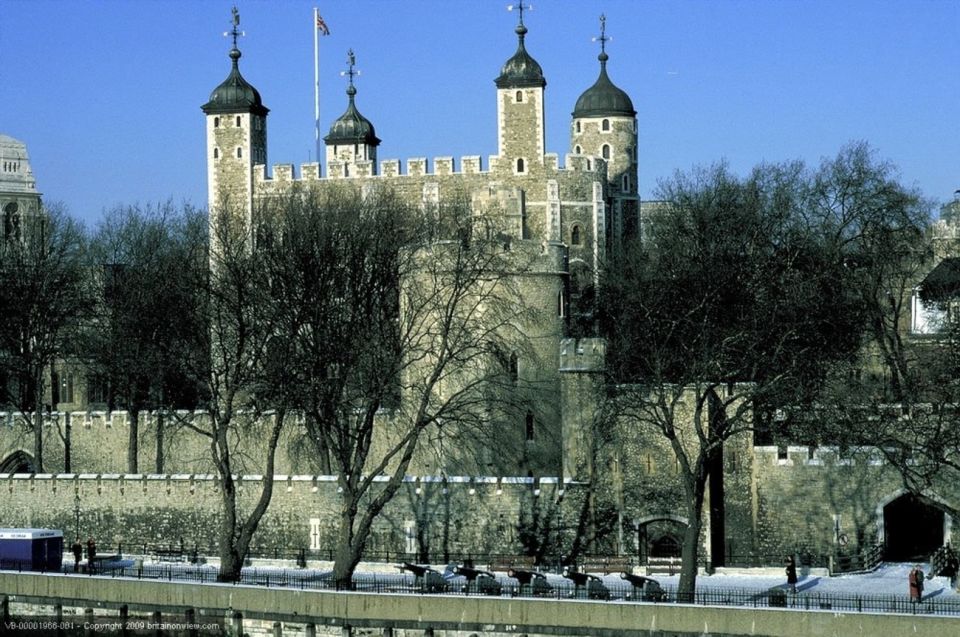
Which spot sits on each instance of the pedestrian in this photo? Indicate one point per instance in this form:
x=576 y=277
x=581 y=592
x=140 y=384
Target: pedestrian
x=791 y=574
x=91 y=554
x=951 y=566
x=916 y=584
x=77 y=549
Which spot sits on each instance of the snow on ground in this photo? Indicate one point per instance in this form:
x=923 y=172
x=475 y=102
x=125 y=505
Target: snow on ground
x=890 y=579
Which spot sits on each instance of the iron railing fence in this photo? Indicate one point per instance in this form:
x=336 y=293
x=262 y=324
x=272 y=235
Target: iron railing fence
x=191 y=551
x=387 y=583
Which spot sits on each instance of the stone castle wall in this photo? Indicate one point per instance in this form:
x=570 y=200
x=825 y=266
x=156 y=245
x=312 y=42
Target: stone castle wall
x=476 y=515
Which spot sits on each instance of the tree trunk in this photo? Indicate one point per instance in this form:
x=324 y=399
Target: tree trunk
x=159 y=457
x=231 y=562
x=67 y=443
x=690 y=555
x=347 y=554
x=38 y=426
x=133 y=441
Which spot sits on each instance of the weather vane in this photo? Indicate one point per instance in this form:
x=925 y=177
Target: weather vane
x=235 y=31
x=351 y=64
x=603 y=38
x=520 y=7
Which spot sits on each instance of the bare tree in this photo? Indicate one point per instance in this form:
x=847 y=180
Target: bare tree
x=240 y=371
x=388 y=314
x=722 y=314
x=43 y=296
x=136 y=257
x=881 y=229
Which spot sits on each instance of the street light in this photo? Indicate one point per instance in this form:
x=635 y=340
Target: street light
x=76 y=513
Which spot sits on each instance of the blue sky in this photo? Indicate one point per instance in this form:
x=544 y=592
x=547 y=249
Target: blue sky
x=107 y=93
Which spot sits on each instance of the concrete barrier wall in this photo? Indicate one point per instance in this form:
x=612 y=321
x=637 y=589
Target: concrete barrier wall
x=487 y=615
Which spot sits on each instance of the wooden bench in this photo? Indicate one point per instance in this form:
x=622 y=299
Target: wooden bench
x=504 y=563
x=169 y=555
x=663 y=565
x=607 y=565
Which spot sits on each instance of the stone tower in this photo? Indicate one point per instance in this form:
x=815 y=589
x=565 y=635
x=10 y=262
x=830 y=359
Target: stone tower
x=20 y=205
x=605 y=125
x=352 y=141
x=520 y=121
x=236 y=137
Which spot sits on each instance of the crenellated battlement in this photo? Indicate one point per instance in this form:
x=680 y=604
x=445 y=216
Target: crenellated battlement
x=827 y=456
x=418 y=167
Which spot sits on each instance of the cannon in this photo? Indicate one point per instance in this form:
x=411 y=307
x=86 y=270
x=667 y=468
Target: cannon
x=478 y=581
x=645 y=588
x=425 y=579
x=532 y=584
x=586 y=585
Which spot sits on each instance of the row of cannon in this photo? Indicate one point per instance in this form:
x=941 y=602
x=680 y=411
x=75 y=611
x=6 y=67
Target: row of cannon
x=531 y=583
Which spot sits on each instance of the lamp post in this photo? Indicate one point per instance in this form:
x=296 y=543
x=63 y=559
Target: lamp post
x=76 y=514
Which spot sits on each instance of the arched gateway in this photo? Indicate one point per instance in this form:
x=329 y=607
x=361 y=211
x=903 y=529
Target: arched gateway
x=913 y=527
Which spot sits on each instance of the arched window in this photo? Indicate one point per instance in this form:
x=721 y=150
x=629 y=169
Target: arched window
x=238 y=120
x=519 y=96
x=216 y=122
x=575 y=236
x=239 y=153
x=605 y=151
x=11 y=220
x=520 y=166
x=577 y=150
x=18 y=462
x=216 y=153
x=605 y=125
x=578 y=125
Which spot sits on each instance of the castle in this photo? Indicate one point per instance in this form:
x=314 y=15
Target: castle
x=570 y=217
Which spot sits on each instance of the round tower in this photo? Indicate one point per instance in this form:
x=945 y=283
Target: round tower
x=520 y=122
x=605 y=125
x=352 y=138
x=236 y=136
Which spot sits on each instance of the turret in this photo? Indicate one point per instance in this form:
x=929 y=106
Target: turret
x=236 y=136
x=605 y=125
x=352 y=138
x=520 y=122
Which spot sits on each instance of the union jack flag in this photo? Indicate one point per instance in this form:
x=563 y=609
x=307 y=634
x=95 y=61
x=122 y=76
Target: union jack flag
x=321 y=25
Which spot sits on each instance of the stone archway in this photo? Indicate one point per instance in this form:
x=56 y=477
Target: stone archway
x=913 y=527
x=18 y=462
x=659 y=536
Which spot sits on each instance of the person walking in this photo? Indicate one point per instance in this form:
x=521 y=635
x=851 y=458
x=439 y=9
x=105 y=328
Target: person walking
x=77 y=549
x=916 y=584
x=91 y=554
x=791 y=573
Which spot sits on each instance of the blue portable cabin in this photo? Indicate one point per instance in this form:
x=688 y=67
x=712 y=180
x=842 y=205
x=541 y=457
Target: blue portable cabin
x=31 y=549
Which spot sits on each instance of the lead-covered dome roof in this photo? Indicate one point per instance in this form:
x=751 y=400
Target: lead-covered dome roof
x=521 y=70
x=604 y=98
x=235 y=94
x=352 y=127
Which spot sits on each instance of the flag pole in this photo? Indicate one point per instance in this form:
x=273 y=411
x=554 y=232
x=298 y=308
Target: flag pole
x=316 y=80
